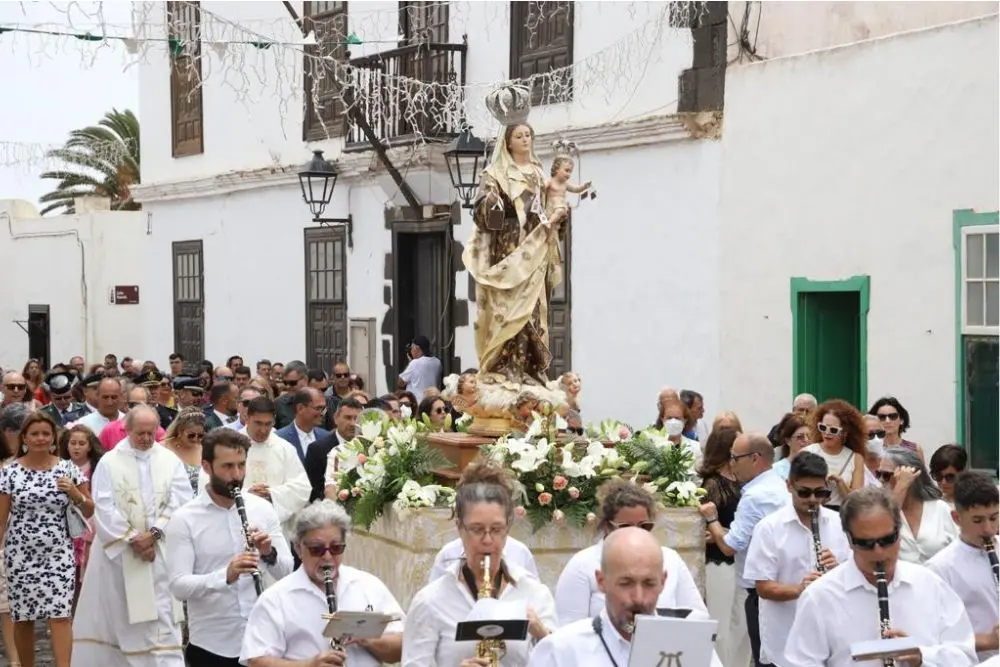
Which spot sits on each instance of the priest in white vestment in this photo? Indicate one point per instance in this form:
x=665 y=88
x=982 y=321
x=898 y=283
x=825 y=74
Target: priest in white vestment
x=128 y=616
x=274 y=470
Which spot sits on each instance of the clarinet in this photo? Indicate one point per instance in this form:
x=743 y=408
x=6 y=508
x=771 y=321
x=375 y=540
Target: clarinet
x=882 y=586
x=331 y=600
x=991 y=552
x=258 y=581
x=817 y=545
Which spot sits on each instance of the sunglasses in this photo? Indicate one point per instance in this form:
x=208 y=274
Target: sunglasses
x=439 y=411
x=320 y=550
x=195 y=436
x=341 y=375
x=884 y=476
x=949 y=478
x=876 y=434
x=819 y=494
x=15 y=387
x=888 y=417
x=832 y=430
x=869 y=544
x=645 y=525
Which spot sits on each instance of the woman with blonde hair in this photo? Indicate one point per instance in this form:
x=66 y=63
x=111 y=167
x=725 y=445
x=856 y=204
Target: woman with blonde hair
x=184 y=438
x=484 y=512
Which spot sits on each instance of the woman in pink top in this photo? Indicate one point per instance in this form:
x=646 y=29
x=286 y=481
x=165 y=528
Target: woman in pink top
x=114 y=432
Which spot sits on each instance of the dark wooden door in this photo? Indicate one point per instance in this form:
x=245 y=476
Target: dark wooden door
x=560 y=315
x=424 y=292
x=541 y=41
x=189 y=300
x=829 y=333
x=326 y=298
x=38 y=335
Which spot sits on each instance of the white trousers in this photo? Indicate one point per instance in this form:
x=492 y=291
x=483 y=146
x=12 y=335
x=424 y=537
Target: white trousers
x=724 y=600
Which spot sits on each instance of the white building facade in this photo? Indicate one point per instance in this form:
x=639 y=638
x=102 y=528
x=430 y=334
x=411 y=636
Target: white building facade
x=73 y=285
x=682 y=270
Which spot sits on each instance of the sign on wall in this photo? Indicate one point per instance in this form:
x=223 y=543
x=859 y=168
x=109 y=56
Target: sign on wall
x=125 y=295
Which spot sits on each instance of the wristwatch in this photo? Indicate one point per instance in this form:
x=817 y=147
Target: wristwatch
x=156 y=533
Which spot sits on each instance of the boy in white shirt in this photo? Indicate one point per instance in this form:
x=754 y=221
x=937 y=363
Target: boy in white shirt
x=965 y=563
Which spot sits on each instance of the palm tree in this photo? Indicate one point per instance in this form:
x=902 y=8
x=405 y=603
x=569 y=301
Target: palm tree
x=101 y=160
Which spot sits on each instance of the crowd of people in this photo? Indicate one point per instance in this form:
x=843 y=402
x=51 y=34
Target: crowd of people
x=160 y=518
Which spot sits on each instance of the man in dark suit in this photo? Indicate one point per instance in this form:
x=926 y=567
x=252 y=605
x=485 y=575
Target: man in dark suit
x=304 y=430
x=152 y=379
x=62 y=405
x=90 y=384
x=223 y=405
x=294 y=378
x=187 y=391
x=315 y=464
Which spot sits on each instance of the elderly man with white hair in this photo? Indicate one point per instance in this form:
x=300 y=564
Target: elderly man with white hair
x=286 y=625
x=132 y=617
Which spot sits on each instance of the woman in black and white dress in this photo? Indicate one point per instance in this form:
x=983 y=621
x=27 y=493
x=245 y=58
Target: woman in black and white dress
x=35 y=491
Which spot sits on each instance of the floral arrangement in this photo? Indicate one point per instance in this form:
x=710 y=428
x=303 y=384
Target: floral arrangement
x=389 y=463
x=558 y=481
x=663 y=468
x=609 y=430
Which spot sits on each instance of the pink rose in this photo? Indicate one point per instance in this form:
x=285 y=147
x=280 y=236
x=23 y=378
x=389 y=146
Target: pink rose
x=624 y=433
x=355 y=492
x=343 y=495
x=544 y=498
x=520 y=512
x=574 y=492
x=362 y=459
x=559 y=482
x=558 y=516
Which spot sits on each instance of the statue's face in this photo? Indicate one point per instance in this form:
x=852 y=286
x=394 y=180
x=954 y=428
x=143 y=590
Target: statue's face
x=519 y=143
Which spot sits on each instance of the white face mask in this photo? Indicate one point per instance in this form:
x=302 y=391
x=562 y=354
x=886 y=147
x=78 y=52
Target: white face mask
x=674 y=426
x=875 y=446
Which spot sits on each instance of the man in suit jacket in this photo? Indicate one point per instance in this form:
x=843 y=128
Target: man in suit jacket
x=309 y=405
x=223 y=407
x=62 y=405
x=345 y=420
x=90 y=384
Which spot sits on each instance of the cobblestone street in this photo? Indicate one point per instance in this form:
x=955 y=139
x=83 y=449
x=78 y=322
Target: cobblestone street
x=43 y=650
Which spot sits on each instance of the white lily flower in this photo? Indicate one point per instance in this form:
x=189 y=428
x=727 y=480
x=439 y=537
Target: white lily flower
x=535 y=429
x=585 y=467
x=405 y=411
x=371 y=429
x=561 y=423
x=531 y=457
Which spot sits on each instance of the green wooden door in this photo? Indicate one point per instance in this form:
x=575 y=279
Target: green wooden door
x=982 y=425
x=828 y=337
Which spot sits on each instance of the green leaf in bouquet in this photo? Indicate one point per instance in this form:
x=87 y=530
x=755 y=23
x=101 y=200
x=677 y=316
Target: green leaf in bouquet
x=539 y=516
x=367 y=509
x=576 y=514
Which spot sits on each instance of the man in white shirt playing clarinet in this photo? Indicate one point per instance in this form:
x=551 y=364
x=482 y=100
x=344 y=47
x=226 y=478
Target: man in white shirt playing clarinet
x=785 y=557
x=631 y=577
x=210 y=566
x=286 y=625
x=841 y=608
x=965 y=564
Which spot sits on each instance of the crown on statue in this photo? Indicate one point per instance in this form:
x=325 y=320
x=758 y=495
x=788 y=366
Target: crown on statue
x=510 y=104
x=563 y=148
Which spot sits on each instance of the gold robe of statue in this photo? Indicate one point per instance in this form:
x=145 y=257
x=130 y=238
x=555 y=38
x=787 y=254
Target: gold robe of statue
x=515 y=261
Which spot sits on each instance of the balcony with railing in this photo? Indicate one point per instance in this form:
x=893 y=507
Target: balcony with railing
x=399 y=113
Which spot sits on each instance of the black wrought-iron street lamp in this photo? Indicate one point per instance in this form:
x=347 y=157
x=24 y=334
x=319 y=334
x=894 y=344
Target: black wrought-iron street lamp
x=317 y=181
x=465 y=157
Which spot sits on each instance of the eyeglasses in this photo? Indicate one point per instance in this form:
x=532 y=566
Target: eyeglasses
x=320 y=550
x=194 y=436
x=876 y=434
x=645 y=525
x=888 y=416
x=224 y=378
x=318 y=408
x=884 y=476
x=832 y=430
x=479 y=532
x=820 y=493
x=15 y=387
x=949 y=477
x=736 y=457
x=869 y=544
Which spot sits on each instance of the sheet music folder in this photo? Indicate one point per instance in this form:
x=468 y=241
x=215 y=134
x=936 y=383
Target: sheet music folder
x=875 y=649
x=474 y=631
x=672 y=642
x=356 y=624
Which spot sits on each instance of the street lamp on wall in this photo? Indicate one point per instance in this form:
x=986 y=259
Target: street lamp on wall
x=317 y=181
x=465 y=157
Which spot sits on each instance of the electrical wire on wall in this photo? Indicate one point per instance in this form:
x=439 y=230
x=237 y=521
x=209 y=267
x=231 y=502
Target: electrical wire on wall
x=746 y=48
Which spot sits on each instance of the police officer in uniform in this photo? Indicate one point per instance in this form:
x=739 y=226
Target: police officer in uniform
x=151 y=380
x=188 y=392
x=61 y=391
x=90 y=384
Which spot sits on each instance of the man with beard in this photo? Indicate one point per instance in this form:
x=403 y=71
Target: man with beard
x=631 y=578
x=210 y=566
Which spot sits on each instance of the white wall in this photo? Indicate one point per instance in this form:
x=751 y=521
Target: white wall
x=252 y=98
x=71 y=263
x=850 y=161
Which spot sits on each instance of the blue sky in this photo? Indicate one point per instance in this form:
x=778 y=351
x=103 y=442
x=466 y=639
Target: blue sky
x=56 y=84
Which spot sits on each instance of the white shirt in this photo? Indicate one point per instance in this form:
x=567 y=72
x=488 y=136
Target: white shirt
x=841 y=609
x=759 y=497
x=201 y=540
x=237 y=425
x=287 y=621
x=306 y=438
x=936 y=531
x=333 y=461
x=438 y=608
x=782 y=551
x=967 y=570
x=515 y=552
x=222 y=417
x=577 y=595
x=421 y=373
x=96 y=422
x=577 y=645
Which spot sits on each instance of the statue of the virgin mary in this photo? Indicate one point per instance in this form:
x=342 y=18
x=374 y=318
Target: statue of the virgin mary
x=514 y=254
